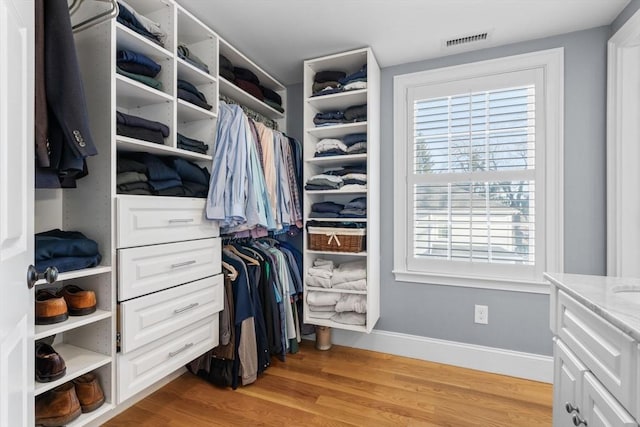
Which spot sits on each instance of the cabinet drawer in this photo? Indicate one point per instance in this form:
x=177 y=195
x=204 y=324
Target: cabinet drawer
x=604 y=349
x=145 y=220
x=140 y=369
x=153 y=316
x=600 y=408
x=150 y=269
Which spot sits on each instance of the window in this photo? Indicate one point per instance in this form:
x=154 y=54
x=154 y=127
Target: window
x=478 y=178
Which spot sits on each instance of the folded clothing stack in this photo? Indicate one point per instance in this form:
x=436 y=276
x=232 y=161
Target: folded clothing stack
x=141 y=128
x=139 y=23
x=356 y=208
x=324 y=182
x=334 y=147
x=248 y=81
x=138 y=67
x=188 y=92
x=328 y=82
x=147 y=174
x=353 y=178
x=355 y=113
x=192 y=144
x=356 y=143
x=65 y=250
x=272 y=99
x=226 y=68
x=188 y=56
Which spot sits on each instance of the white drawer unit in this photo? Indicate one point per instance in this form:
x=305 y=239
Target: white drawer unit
x=144 y=220
x=600 y=407
x=150 y=363
x=154 y=316
x=148 y=269
x=604 y=349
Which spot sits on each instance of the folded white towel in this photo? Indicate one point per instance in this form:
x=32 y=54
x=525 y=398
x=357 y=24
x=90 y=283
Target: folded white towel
x=322 y=308
x=353 y=265
x=319 y=262
x=348 y=275
x=318 y=282
x=352 y=302
x=321 y=314
x=320 y=272
x=356 y=285
x=322 y=298
x=350 y=318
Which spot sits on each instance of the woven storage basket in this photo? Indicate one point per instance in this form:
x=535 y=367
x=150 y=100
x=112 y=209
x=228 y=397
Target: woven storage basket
x=337 y=239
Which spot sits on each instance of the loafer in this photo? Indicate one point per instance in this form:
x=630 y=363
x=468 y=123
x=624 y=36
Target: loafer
x=50 y=308
x=58 y=407
x=49 y=364
x=80 y=302
x=89 y=392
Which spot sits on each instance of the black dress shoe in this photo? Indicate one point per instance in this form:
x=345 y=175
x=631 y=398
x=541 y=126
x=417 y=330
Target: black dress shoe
x=49 y=364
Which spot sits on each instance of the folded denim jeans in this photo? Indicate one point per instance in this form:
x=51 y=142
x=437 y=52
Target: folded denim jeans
x=189 y=171
x=57 y=243
x=64 y=264
x=327 y=207
x=124 y=56
x=354 y=138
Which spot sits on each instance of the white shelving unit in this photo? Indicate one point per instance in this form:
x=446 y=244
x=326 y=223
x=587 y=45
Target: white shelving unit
x=348 y=62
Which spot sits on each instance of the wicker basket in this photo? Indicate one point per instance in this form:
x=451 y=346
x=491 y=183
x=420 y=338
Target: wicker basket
x=337 y=239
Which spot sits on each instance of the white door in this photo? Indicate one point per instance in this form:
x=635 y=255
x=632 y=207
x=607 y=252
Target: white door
x=16 y=212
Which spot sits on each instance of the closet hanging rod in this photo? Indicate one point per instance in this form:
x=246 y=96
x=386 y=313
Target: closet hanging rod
x=94 y=20
x=251 y=113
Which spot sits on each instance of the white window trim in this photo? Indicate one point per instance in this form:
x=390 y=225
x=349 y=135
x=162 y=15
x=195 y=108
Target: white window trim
x=552 y=64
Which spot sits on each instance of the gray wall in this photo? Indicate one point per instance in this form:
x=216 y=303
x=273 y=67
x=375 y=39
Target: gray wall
x=517 y=321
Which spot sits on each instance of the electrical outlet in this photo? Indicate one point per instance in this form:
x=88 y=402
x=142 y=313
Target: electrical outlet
x=482 y=314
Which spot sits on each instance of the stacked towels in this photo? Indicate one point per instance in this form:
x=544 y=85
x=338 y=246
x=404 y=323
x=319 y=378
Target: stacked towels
x=356 y=208
x=147 y=174
x=344 y=179
x=142 y=25
x=188 y=92
x=192 y=144
x=328 y=82
x=141 y=128
x=138 y=67
x=343 y=308
x=355 y=113
x=65 y=250
x=335 y=147
x=185 y=54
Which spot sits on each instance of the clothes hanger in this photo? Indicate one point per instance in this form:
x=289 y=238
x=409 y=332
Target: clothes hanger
x=250 y=260
x=233 y=273
x=94 y=20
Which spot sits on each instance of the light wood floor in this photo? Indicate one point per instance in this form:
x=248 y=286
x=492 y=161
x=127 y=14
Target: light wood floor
x=345 y=386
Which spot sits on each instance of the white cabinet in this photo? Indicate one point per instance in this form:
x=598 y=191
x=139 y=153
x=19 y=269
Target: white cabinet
x=348 y=62
x=596 y=367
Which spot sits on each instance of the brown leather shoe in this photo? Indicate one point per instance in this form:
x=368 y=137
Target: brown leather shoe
x=89 y=392
x=58 y=407
x=50 y=308
x=79 y=301
x=49 y=364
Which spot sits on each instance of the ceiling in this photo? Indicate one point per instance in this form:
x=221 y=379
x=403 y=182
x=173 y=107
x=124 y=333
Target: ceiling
x=279 y=34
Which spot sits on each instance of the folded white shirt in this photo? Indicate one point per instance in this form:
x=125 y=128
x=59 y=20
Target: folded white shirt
x=353 y=187
x=352 y=302
x=330 y=178
x=356 y=285
x=355 y=85
x=358 y=176
x=322 y=298
x=330 y=144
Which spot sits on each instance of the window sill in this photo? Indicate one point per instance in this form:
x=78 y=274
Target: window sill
x=500 y=284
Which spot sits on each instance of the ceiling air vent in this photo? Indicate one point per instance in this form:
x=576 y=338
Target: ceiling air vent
x=466 y=39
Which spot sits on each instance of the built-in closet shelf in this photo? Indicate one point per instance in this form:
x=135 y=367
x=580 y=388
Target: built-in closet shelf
x=78 y=360
x=85 y=419
x=363 y=254
x=337 y=101
x=348 y=159
x=337 y=219
x=337 y=130
x=188 y=112
x=343 y=326
x=320 y=192
x=193 y=74
x=43 y=331
x=239 y=60
x=75 y=274
x=130 y=40
x=337 y=291
x=234 y=92
x=191 y=29
x=130 y=144
x=133 y=94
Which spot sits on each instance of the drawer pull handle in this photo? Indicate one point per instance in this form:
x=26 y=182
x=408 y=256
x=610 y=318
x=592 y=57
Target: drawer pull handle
x=175 y=353
x=189 y=307
x=183 y=264
x=171 y=221
x=577 y=421
x=570 y=408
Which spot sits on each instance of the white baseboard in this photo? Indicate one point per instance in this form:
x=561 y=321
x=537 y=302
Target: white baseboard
x=488 y=359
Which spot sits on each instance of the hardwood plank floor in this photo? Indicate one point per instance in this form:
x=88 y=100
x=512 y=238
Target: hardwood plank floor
x=349 y=387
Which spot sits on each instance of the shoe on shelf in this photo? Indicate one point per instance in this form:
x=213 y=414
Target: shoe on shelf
x=79 y=301
x=89 y=392
x=58 y=407
x=49 y=364
x=50 y=308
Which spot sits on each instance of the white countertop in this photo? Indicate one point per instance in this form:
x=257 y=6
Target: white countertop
x=606 y=297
